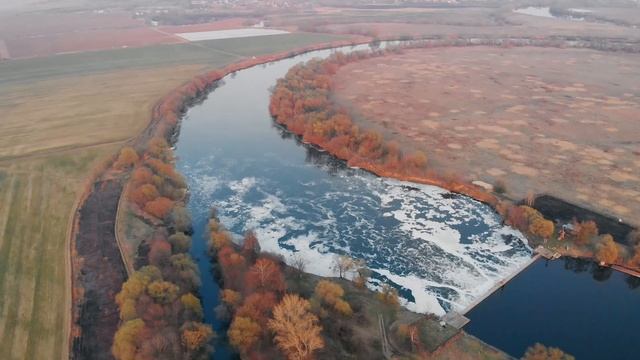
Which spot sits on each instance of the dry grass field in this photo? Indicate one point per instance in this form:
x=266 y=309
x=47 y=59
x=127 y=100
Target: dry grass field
x=89 y=110
x=36 y=198
x=562 y=121
x=54 y=133
x=472 y=21
x=62 y=116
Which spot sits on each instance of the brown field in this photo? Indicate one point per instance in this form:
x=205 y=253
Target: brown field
x=31 y=35
x=525 y=27
x=617 y=15
x=474 y=21
x=85 y=113
x=93 y=40
x=561 y=121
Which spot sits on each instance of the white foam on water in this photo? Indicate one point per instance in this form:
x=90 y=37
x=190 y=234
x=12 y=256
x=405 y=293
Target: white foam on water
x=425 y=302
x=269 y=205
x=243 y=185
x=424 y=251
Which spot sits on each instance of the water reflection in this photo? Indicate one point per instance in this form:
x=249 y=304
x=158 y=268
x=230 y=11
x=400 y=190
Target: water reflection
x=564 y=303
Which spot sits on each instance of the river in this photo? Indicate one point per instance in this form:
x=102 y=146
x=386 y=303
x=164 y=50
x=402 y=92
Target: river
x=588 y=311
x=440 y=250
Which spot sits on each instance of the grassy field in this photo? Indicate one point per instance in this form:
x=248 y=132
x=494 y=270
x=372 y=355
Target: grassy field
x=211 y=53
x=36 y=197
x=60 y=117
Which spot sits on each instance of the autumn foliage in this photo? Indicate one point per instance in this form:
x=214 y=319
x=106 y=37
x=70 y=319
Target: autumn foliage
x=331 y=295
x=161 y=316
x=531 y=221
x=296 y=328
x=301 y=102
x=254 y=293
x=253 y=285
x=128 y=157
x=585 y=231
x=265 y=275
x=541 y=352
x=159 y=207
x=607 y=251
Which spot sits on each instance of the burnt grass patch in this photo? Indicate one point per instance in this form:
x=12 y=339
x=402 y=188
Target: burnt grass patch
x=101 y=272
x=560 y=210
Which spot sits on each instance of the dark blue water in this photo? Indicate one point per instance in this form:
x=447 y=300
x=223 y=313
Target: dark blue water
x=588 y=311
x=440 y=250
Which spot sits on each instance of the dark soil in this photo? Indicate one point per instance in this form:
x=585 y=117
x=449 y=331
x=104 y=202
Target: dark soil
x=101 y=274
x=560 y=210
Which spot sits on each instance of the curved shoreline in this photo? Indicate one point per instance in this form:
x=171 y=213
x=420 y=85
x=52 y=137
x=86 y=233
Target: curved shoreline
x=157 y=121
x=196 y=89
x=293 y=117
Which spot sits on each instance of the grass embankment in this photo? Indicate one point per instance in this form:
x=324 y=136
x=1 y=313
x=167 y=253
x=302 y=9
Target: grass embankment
x=63 y=115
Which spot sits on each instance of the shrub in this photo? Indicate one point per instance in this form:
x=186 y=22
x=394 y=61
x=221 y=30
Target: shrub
x=244 y=333
x=163 y=292
x=143 y=194
x=180 y=242
x=181 y=220
x=127 y=158
x=160 y=207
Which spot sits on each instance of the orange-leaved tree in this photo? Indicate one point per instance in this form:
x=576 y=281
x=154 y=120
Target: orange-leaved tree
x=607 y=250
x=585 y=231
x=265 y=275
x=127 y=158
x=296 y=328
x=160 y=207
x=244 y=333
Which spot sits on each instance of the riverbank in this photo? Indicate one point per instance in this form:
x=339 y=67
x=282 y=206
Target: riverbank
x=519 y=125
x=167 y=127
x=317 y=119
x=357 y=210
x=163 y=124
x=355 y=322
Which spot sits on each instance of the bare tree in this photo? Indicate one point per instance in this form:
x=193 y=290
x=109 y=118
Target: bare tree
x=299 y=263
x=343 y=264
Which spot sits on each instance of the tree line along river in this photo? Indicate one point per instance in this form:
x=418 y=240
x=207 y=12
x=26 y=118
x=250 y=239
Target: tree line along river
x=440 y=250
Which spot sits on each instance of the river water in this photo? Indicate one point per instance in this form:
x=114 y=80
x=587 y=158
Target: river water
x=588 y=311
x=440 y=250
